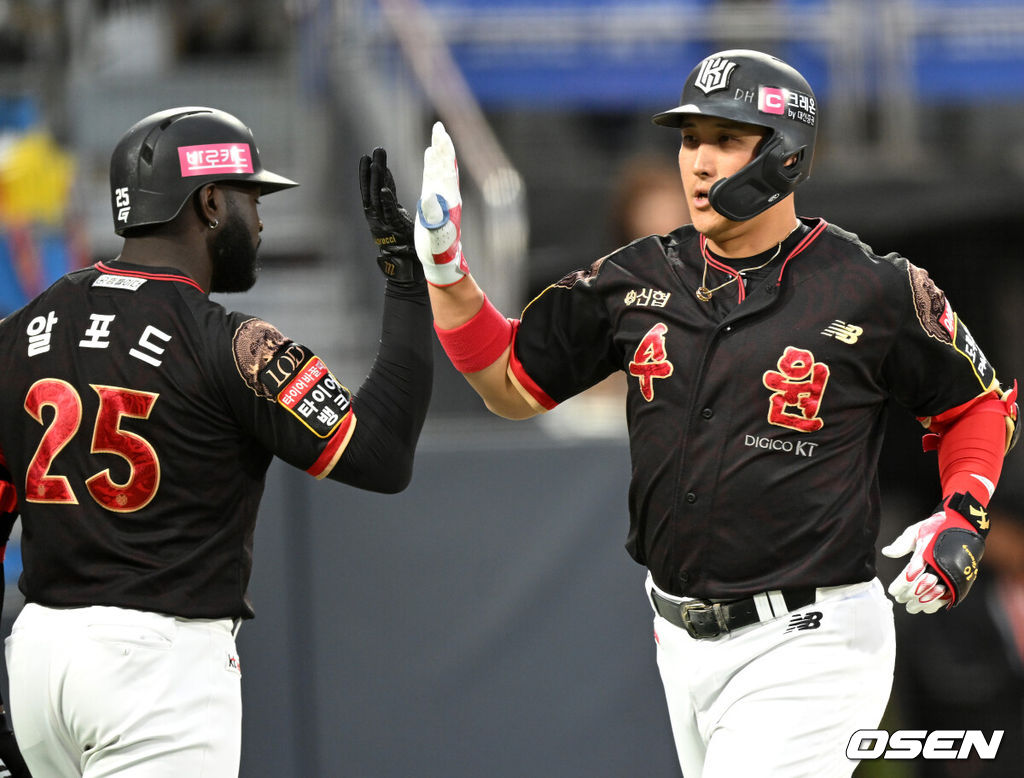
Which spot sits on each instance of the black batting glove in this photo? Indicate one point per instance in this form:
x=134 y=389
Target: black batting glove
x=390 y=224
x=11 y=762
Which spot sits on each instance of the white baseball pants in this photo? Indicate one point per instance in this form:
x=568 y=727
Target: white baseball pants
x=781 y=697
x=103 y=691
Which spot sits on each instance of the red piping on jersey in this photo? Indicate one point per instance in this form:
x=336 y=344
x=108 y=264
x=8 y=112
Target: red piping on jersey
x=149 y=276
x=538 y=394
x=335 y=447
x=742 y=294
x=722 y=266
x=807 y=241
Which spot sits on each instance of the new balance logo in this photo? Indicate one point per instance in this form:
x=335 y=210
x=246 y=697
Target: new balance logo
x=843 y=332
x=801 y=621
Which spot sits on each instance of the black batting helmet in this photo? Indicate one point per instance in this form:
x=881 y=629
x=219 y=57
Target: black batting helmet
x=753 y=88
x=161 y=160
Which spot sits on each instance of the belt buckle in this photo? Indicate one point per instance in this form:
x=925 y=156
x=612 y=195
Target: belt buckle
x=703 y=619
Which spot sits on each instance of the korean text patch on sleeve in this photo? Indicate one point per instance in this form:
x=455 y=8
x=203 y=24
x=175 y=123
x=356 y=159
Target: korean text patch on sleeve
x=315 y=397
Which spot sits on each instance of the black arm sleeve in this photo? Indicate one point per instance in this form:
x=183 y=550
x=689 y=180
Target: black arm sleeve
x=391 y=404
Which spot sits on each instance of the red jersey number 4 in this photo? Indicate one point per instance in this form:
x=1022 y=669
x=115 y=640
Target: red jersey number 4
x=650 y=360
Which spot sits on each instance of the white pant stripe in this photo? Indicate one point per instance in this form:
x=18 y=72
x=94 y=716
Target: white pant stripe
x=764 y=609
x=778 y=602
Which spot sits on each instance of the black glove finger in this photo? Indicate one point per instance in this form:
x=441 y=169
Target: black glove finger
x=365 y=185
x=379 y=175
x=395 y=216
x=380 y=158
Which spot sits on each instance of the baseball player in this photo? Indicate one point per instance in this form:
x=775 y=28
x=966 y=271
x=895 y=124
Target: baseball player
x=139 y=421
x=11 y=761
x=760 y=351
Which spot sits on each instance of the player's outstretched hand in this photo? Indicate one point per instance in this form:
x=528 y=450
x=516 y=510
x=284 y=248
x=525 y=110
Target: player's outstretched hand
x=916 y=587
x=11 y=762
x=439 y=213
x=389 y=223
x=945 y=551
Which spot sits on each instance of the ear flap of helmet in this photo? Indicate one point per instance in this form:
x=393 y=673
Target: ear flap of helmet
x=760 y=184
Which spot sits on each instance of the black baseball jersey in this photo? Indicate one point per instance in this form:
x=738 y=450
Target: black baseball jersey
x=139 y=419
x=755 y=428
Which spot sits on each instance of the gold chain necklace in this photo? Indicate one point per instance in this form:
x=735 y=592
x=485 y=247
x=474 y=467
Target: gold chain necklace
x=704 y=294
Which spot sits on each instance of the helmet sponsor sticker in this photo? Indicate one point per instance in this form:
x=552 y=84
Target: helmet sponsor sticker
x=214 y=158
x=714 y=74
x=778 y=101
x=770 y=99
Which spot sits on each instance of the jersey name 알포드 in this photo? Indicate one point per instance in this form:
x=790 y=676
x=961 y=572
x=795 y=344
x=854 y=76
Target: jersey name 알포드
x=139 y=419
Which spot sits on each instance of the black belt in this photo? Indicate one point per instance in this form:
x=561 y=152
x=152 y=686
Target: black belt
x=705 y=619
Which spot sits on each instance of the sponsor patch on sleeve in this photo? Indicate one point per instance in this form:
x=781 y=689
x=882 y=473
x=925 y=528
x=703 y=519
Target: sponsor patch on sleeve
x=314 y=397
x=940 y=321
x=966 y=345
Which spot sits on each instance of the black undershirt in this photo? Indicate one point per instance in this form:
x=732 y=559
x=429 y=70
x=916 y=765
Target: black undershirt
x=727 y=298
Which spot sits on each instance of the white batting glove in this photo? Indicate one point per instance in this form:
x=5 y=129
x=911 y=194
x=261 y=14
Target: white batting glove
x=438 y=231
x=919 y=589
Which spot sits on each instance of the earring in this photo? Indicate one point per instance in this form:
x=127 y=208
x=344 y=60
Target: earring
x=214 y=224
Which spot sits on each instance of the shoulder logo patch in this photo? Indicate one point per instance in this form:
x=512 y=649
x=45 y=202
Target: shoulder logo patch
x=254 y=345
x=586 y=275
x=933 y=310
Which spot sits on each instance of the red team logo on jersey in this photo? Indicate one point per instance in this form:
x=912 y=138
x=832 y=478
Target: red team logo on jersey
x=797 y=388
x=649 y=360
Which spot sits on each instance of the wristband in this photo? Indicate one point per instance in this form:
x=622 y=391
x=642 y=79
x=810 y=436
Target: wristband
x=479 y=342
x=958 y=544
x=969 y=508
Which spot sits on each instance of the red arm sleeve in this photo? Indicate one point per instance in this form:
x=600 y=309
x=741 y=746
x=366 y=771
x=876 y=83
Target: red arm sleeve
x=972 y=441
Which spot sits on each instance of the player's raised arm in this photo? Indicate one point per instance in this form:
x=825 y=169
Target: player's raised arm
x=392 y=402
x=475 y=335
